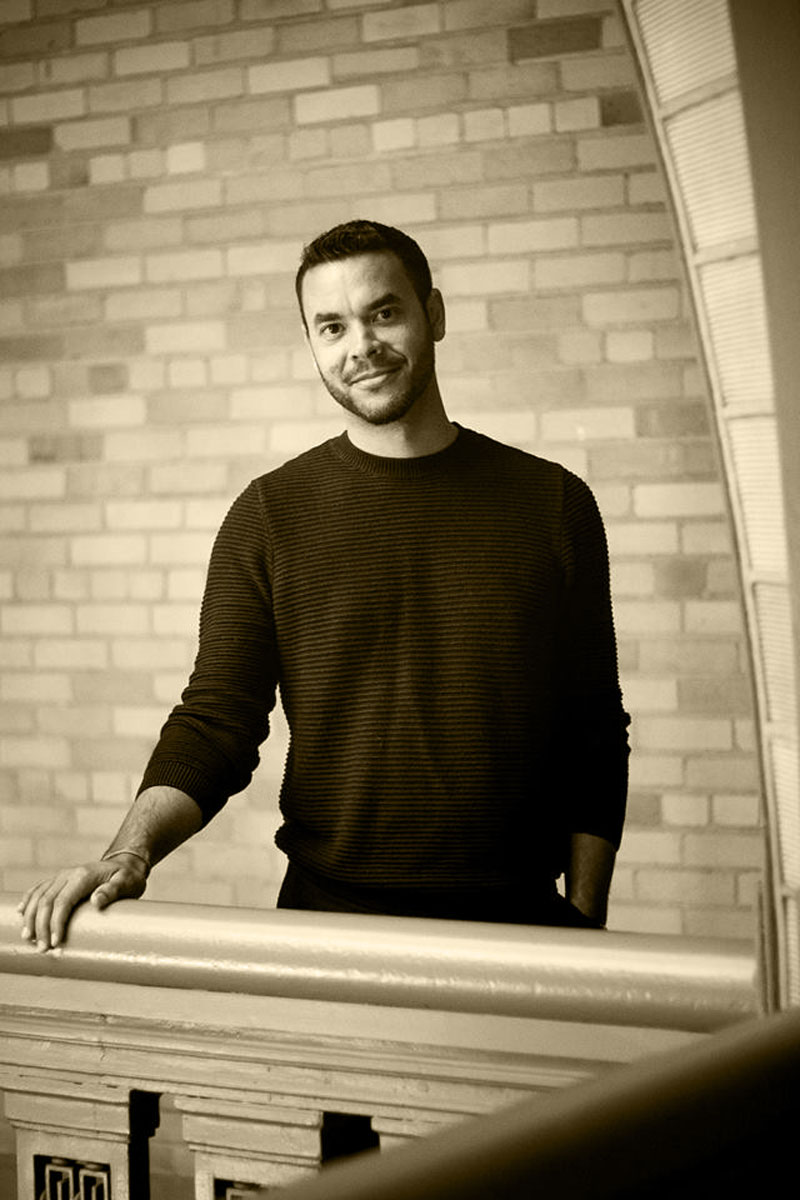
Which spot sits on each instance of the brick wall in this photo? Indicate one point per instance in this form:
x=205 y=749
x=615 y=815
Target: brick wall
x=160 y=166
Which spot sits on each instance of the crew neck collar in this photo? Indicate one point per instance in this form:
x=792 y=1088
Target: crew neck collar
x=380 y=465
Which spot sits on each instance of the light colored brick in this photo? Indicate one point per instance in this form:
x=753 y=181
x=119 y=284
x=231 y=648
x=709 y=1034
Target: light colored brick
x=186 y=337
x=119 y=620
x=42 y=752
x=587 y=72
x=173 y=197
x=289 y=75
x=229 y=47
x=684 y=733
x=187 y=373
x=33 y=383
x=175 y=548
x=142 y=445
x=488 y=278
x=91 y=135
x=711 y=849
x=113 y=28
x=25 y=620
x=183 y=265
x=576 y=271
x=637 y=617
x=639 y=306
x=645 y=694
x=191 y=14
x=484 y=124
x=30 y=177
x=154 y=58
x=580 y=113
x=104 y=549
x=736 y=809
x=125 y=96
x=206 y=86
x=145 y=304
x=685 y=886
x=337 y=104
x=646 y=187
x=557 y=233
x=603 y=229
x=148 y=654
x=231 y=441
x=528 y=120
x=102 y=273
x=48 y=106
x=467 y=316
x=685 y=809
x=441 y=130
x=107 y=168
x=397 y=134
x=706 y=537
x=636 y=345
x=580 y=192
x=64 y=518
x=587 y=424
x=143 y=514
x=723 y=773
x=416 y=20
x=659 y=847
x=32 y=483
x=376 y=62
x=718 y=616
x=678 y=499
x=184 y=158
x=264 y=258
x=577 y=346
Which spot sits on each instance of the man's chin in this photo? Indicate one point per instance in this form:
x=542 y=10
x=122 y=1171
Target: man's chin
x=381 y=410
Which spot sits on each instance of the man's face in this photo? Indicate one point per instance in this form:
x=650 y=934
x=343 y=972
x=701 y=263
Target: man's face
x=371 y=337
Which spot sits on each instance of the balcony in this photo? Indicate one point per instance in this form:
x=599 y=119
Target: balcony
x=285 y=1040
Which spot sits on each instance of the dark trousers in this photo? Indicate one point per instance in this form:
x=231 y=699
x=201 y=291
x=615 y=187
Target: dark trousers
x=302 y=889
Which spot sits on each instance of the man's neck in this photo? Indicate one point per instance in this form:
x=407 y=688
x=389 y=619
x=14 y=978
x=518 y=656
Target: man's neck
x=425 y=430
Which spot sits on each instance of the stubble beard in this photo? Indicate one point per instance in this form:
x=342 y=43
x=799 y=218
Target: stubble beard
x=383 y=409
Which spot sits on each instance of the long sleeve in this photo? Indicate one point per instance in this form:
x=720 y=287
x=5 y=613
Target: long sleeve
x=593 y=742
x=209 y=745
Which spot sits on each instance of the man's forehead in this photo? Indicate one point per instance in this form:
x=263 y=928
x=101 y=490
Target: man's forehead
x=378 y=271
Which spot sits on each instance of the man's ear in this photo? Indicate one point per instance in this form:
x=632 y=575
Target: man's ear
x=434 y=306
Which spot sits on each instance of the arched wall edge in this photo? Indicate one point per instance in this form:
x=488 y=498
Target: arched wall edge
x=685 y=53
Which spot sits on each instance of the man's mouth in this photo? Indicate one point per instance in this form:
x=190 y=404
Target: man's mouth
x=374 y=376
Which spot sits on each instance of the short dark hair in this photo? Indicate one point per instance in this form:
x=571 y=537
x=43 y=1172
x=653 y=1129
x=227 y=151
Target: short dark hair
x=366 y=237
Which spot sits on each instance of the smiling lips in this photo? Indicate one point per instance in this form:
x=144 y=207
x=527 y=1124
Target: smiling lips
x=374 y=375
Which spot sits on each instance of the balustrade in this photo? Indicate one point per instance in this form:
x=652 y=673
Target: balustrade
x=286 y=1040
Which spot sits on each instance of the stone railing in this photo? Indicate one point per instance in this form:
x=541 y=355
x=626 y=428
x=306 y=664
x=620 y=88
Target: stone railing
x=287 y=1039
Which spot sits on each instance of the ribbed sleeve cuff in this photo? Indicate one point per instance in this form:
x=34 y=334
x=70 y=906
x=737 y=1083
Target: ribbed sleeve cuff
x=170 y=772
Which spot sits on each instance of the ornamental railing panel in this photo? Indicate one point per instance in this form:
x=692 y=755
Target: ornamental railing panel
x=287 y=1041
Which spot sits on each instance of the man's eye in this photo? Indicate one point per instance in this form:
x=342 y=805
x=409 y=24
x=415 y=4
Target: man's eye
x=330 y=331
x=385 y=314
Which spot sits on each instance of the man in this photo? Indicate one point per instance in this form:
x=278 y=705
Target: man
x=434 y=607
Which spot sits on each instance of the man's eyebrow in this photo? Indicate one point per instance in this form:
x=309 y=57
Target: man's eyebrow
x=389 y=298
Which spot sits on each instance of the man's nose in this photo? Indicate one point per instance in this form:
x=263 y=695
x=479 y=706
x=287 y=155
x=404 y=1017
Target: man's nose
x=363 y=341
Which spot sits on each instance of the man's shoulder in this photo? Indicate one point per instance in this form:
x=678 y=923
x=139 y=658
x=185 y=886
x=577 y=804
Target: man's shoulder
x=299 y=470
x=524 y=463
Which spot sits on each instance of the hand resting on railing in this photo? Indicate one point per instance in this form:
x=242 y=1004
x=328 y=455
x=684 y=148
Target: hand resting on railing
x=47 y=907
x=159 y=820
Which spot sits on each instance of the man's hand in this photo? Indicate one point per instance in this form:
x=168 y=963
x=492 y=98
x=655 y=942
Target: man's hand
x=47 y=907
x=589 y=876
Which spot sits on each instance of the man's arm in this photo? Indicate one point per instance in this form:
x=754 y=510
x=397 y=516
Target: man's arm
x=588 y=877
x=160 y=819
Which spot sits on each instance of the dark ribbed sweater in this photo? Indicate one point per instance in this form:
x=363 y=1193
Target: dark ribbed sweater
x=440 y=630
